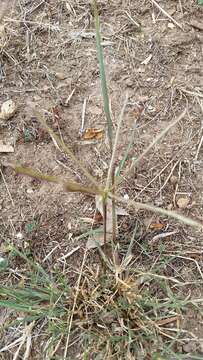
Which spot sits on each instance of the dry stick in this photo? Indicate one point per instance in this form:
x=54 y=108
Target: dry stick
x=201 y=131
x=82 y=128
x=7 y=188
x=167 y=179
x=166 y=14
x=188 y=258
x=176 y=187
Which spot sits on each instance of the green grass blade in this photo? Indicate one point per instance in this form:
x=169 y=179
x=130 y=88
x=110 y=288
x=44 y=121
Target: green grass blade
x=103 y=76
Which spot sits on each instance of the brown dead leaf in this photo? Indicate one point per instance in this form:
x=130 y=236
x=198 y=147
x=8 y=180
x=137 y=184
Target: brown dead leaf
x=168 y=320
x=93 y=133
x=156 y=226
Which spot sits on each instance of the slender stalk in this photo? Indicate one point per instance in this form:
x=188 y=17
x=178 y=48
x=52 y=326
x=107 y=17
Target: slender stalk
x=111 y=166
x=114 y=222
x=103 y=76
x=105 y=223
x=169 y=213
x=65 y=148
x=69 y=185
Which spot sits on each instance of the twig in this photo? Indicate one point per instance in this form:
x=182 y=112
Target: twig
x=201 y=130
x=83 y=116
x=176 y=188
x=133 y=21
x=161 y=236
x=69 y=253
x=167 y=179
x=69 y=97
x=199 y=147
x=7 y=188
x=195 y=261
x=166 y=14
x=51 y=252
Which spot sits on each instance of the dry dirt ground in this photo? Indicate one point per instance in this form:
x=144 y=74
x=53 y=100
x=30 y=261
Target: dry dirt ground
x=48 y=57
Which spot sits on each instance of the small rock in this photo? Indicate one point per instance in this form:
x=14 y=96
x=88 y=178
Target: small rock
x=183 y=202
x=8 y=109
x=173 y=179
x=95 y=110
x=46 y=88
x=171 y=25
x=30 y=191
x=190 y=347
x=19 y=236
x=60 y=75
x=201 y=347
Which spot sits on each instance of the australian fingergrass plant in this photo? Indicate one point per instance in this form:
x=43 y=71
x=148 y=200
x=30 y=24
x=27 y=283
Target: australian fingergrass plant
x=121 y=305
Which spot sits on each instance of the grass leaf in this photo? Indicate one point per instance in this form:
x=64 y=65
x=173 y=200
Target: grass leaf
x=65 y=148
x=103 y=76
x=69 y=185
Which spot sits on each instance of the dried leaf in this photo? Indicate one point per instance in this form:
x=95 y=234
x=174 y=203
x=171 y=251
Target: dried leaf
x=156 y=226
x=168 y=320
x=93 y=133
x=8 y=109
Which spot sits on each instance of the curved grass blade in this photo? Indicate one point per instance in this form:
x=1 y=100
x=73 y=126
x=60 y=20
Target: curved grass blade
x=69 y=186
x=158 y=210
x=65 y=148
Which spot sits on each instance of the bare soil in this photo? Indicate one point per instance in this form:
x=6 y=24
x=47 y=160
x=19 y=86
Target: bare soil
x=49 y=53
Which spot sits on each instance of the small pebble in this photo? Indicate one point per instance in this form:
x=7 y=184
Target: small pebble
x=183 y=202
x=173 y=180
